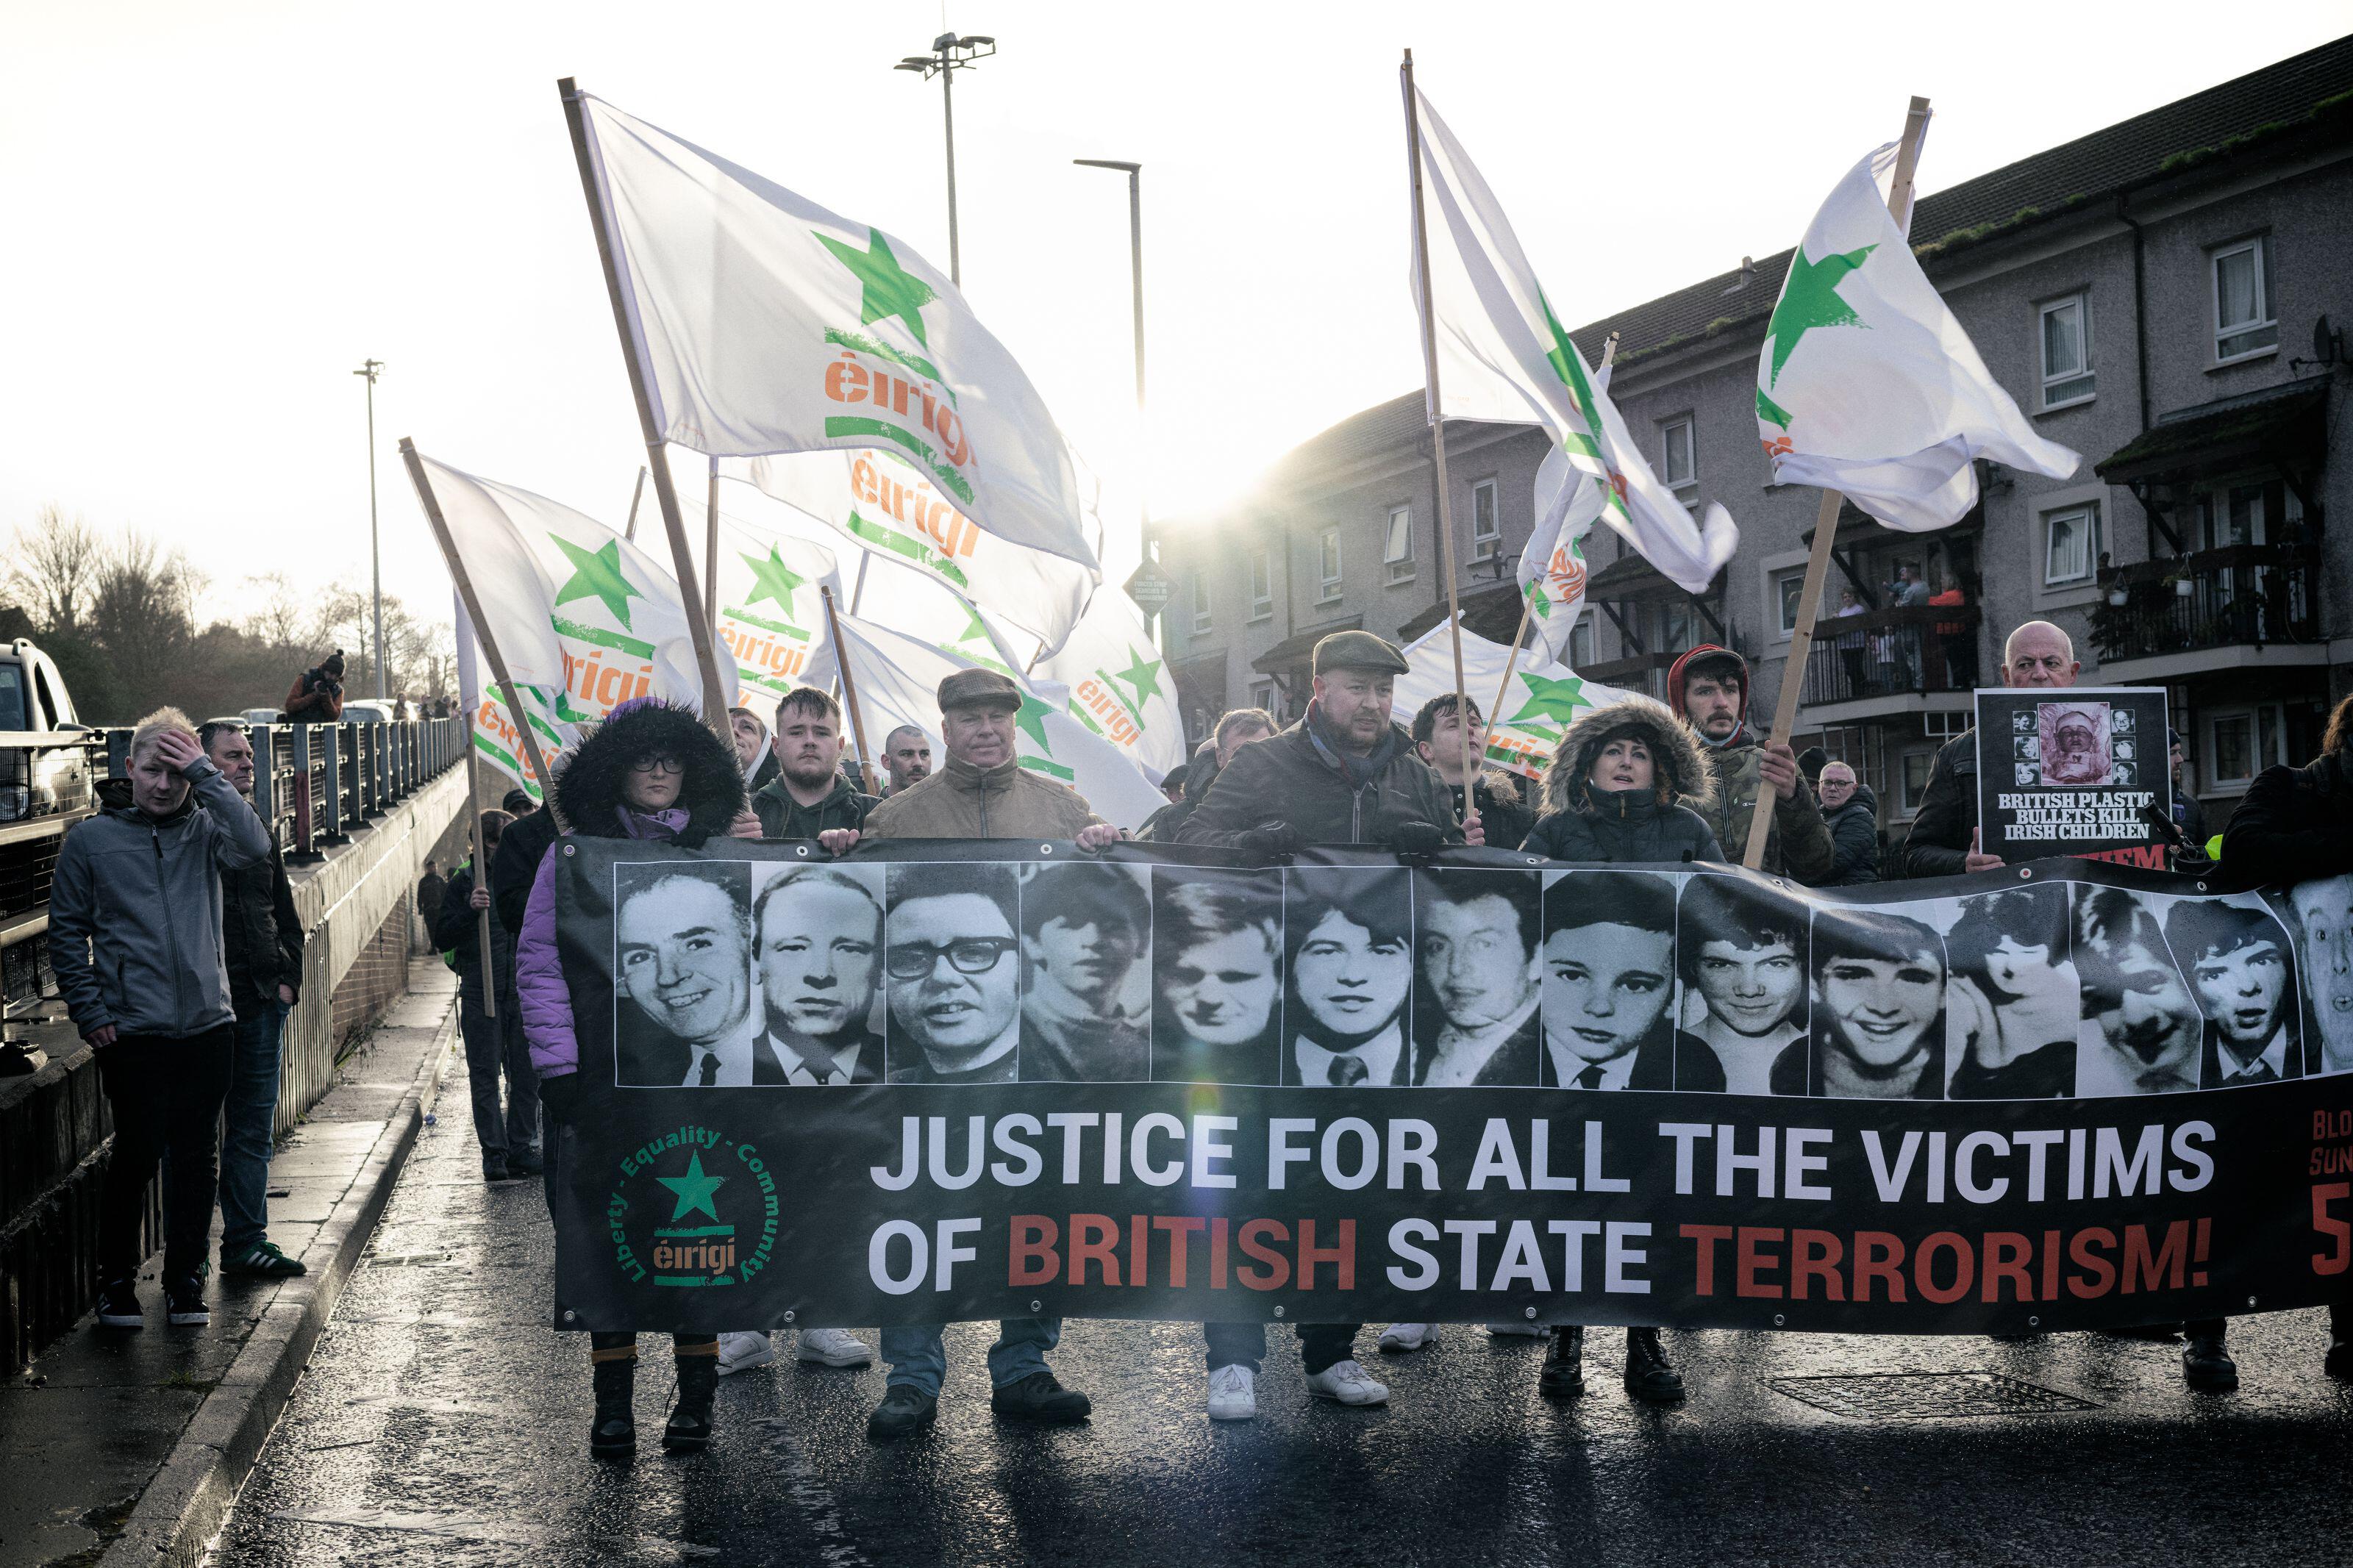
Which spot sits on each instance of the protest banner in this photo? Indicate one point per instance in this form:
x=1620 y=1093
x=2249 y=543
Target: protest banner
x=2071 y=771
x=951 y=1080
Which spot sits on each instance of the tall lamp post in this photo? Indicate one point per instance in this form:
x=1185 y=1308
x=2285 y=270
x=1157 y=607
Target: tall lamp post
x=950 y=55
x=369 y=368
x=1135 y=172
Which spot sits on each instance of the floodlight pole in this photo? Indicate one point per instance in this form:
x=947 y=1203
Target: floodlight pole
x=950 y=55
x=369 y=368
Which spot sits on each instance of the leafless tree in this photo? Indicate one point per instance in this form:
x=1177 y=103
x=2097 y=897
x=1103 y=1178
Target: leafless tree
x=53 y=568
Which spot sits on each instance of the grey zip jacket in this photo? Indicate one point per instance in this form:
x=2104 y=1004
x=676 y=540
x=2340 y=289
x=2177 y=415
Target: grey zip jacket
x=135 y=908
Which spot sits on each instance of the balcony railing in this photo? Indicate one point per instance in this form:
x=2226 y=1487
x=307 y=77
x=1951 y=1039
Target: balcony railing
x=1892 y=653
x=2237 y=596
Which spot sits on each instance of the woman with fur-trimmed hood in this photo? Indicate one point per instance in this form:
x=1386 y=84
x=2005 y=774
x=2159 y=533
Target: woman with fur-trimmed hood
x=1627 y=782
x=653 y=770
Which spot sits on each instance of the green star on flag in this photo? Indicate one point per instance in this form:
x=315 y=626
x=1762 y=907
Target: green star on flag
x=694 y=1189
x=1142 y=674
x=1811 y=300
x=597 y=574
x=887 y=288
x=774 y=580
x=1552 y=700
x=1031 y=721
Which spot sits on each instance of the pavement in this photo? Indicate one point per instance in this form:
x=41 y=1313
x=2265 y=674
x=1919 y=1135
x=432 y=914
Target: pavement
x=128 y=1447
x=441 y=1421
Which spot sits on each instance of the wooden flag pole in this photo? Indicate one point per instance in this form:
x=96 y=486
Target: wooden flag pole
x=482 y=867
x=1437 y=412
x=849 y=689
x=1527 y=601
x=637 y=494
x=715 y=690
x=482 y=633
x=711 y=555
x=1818 y=564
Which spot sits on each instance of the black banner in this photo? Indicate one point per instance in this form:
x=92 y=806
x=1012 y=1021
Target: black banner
x=944 y=1080
x=2070 y=771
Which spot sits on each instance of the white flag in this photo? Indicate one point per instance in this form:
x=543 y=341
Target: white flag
x=1504 y=357
x=898 y=680
x=1120 y=685
x=1544 y=698
x=771 y=618
x=1867 y=385
x=768 y=324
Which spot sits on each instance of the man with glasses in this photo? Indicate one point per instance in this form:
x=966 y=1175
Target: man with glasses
x=954 y=957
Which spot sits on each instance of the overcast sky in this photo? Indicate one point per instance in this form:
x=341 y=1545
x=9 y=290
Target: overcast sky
x=216 y=211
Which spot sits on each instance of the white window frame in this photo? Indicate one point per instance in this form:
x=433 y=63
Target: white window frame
x=2265 y=323
x=1262 y=584
x=2255 y=714
x=1202 y=604
x=1580 y=641
x=1487 y=534
x=1327 y=565
x=1397 y=545
x=2089 y=575
x=2067 y=388
x=1261 y=695
x=1785 y=608
x=1687 y=487
x=1908 y=807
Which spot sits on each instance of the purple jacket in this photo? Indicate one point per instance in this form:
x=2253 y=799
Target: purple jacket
x=540 y=988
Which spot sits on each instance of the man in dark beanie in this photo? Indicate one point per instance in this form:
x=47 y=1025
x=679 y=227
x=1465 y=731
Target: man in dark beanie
x=317 y=694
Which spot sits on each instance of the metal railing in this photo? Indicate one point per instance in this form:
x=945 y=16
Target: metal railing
x=2232 y=596
x=48 y=782
x=1893 y=652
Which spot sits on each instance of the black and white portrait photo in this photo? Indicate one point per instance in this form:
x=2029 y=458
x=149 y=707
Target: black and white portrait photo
x=952 y=954
x=1086 y=934
x=2241 y=965
x=2322 y=910
x=1478 y=939
x=2015 y=1007
x=2141 y=1025
x=1348 y=964
x=682 y=958
x=816 y=932
x=1743 y=966
x=1608 y=981
x=1878 y=981
x=1217 y=1009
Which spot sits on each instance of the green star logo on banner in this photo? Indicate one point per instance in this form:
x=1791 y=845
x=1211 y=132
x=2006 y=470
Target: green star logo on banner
x=887 y=288
x=694 y=1190
x=1031 y=721
x=1556 y=701
x=1811 y=300
x=1142 y=674
x=597 y=574
x=773 y=581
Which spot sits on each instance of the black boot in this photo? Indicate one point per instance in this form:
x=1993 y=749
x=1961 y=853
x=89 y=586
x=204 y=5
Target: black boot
x=1563 y=1376
x=615 y=1427
x=1649 y=1377
x=689 y=1431
x=1040 y=1398
x=2204 y=1361
x=903 y=1412
x=2340 y=1360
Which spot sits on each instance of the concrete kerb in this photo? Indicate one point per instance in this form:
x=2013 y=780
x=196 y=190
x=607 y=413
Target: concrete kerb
x=189 y=1499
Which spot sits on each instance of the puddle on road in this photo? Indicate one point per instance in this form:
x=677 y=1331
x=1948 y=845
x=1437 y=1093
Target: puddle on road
x=495 y=1531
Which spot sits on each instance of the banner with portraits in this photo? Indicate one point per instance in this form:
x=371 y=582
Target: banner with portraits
x=941 y=1080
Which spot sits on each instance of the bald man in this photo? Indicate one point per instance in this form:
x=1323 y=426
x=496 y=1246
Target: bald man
x=1944 y=837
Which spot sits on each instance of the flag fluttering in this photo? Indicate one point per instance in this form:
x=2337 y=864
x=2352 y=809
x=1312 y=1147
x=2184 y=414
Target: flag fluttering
x=771 y=618
x=1505 y=357
x=1552 y=564
x=1867 y=385
x=1544 y=698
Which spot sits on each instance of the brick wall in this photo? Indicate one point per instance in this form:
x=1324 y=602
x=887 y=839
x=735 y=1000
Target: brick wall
x=377 y=976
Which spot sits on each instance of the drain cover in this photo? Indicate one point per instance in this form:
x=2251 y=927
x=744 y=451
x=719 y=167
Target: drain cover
x=1924 y=1396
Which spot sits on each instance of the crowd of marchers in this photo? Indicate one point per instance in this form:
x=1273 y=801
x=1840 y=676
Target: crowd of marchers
x=177 y=953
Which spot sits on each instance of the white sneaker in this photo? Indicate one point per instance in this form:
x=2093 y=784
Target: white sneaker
x=833 y=1347
x=1398 y=1337
x=742 y=1352
x=1233 y=1394
x=1345 y=1383
x=1518 y=1331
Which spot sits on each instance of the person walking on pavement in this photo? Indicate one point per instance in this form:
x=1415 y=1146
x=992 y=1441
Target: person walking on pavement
x=136 y=941
x=515 y=865
x=1502 y=811
x=651 y=771
x=983 y=792
x=261 y=945
x=1709 y=687
x=495 y=1048
x=1851 y=813
x=1345 y=773
x=810 y=793
x=1944 y=837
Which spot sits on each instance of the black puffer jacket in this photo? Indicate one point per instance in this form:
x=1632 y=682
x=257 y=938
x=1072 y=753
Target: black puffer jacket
x=1938 y=844
x=589 y=793
x=1581 y=822
x=261 y=936
x=1293 y=779
x=1854 y=840
x=1162 y=825
x=515 y=862
x=1504 y=814
x=2294 y=824
x=455 y=931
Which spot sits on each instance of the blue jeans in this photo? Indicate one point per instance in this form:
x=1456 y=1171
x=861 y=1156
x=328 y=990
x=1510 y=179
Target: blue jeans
x=918 y=1356
x=246 y=1131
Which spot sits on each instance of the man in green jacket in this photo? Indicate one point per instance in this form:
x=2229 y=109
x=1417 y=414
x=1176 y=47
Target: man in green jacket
x=1709 y=686
x=808 y=795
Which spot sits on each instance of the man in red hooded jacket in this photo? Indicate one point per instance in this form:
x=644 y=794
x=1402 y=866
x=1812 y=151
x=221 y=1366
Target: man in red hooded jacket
x=1709 y=686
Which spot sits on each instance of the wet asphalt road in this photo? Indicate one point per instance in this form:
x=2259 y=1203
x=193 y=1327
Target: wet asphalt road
x=439 y=1423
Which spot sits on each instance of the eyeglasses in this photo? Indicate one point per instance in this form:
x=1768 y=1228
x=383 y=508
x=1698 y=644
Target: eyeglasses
x=657 y=763
x=965 y=955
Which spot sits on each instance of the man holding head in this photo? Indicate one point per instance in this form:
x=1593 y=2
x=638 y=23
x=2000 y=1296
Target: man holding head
x=1945 y=836
x=906 y=757
x=140 y=969
x=809 y=794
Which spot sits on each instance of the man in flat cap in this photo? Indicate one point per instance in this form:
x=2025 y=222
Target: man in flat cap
x=983 y=792
x=1346 y=774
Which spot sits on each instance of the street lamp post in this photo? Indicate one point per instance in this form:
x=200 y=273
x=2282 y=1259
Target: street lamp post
x=950 y=55
x=369 y=368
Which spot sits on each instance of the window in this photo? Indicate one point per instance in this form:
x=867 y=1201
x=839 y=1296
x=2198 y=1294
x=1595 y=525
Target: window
x=2071 y=544
x=2244 y=321
x=1679 y=470
x=1200 y=603
x=1261 y=579
x=1673 y=626
x=1397 y=549
x=2242 y=743
x=1788 y=588
x=1913 y=781
x=2067 y=351
x=1328 y=554
x=1580 y=643
x=1262 y=695
x=1486 y=523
